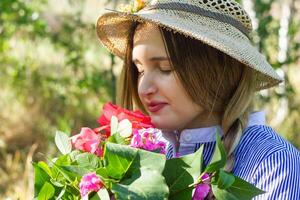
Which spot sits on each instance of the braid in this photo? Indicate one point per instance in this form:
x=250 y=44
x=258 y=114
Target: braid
x=235 y=117
x=232 y=138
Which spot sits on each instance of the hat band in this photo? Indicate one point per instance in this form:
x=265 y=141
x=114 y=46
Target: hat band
x=200 y=11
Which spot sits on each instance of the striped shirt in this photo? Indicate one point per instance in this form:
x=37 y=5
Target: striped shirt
x=262 y=157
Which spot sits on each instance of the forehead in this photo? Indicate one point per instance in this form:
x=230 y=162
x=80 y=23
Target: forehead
x=147 y=33
x=147 y=41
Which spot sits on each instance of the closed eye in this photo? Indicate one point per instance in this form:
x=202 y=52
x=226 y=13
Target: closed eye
x=166 y=71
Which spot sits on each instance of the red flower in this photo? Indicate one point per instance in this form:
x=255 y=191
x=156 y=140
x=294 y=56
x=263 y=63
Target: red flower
x=137 y=118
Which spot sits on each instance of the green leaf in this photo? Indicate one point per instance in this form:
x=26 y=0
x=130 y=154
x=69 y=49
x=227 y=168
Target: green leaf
x=62 y=192
x=73 y=190
x=222 y=194
x=225 y=180
x=63 y=160
x=88 y=160
x=41 y=176
x=118 y=158
x=68 y=193
x=146 y=159
x=117 y=138
x=58 y=177
x=143 y=179
x=181 y=172
x=75 y=171
x=102 y=172
x=244 y=190
x=219 y=158
x=148 y=184
x=56 y=183
x=45 y=167
x=63 y=142
x=61 y=172
x=102 y=194
x=240 y=189
x=46 y=192
x=73 y=154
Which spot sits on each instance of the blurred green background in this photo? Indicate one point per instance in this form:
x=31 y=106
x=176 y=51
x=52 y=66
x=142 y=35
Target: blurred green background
x=54 y=74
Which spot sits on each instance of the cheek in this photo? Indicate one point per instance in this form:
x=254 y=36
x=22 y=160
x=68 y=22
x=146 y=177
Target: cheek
x=185 y=109
x=171 y=88
x=180 y=98
x=138 y=87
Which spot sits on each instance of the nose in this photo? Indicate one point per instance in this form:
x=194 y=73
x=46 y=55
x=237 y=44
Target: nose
x=146 y=85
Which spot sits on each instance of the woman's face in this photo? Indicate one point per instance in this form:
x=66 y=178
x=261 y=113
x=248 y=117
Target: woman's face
x=159 y=89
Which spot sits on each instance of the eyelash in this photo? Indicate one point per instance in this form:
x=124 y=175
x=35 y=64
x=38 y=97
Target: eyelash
x=140 y=73
x=165 y=72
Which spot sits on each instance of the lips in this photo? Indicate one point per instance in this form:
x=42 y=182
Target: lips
x=155 y=107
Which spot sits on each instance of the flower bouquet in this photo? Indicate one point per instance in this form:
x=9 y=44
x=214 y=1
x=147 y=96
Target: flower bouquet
x=124 y=159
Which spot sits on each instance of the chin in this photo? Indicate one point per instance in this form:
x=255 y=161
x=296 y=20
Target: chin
x=163 y=125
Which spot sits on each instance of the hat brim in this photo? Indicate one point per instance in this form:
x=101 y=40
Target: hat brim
x=113 y=30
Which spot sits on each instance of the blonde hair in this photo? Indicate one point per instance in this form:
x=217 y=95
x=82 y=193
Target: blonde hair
x=214 y=80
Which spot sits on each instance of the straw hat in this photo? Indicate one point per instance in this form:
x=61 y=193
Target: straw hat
x=222 y=24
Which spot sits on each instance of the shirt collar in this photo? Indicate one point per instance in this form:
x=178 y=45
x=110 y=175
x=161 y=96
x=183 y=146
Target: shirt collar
x=207 y=134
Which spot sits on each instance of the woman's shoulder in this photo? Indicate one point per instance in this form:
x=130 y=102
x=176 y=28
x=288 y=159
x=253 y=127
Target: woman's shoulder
x=263 y=158
x=261 y=142
x=264 y=139
x=263 y=136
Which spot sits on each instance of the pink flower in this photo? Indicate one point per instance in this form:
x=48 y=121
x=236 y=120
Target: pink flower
x=146 y=139
x=202 y=189
x=90 y=182
x=87 y=141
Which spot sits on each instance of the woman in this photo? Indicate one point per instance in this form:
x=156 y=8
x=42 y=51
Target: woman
x=190 y=65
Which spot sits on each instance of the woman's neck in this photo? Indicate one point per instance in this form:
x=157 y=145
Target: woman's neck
x=204 y=120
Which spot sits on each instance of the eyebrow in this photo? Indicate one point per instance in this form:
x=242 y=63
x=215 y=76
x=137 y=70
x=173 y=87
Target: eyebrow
x=152 y=59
